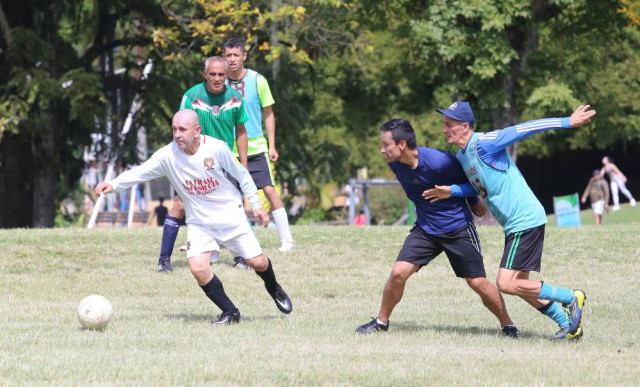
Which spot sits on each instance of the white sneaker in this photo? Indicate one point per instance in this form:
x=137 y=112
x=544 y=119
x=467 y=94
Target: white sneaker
x=633 y=202
x=616 y=208
x=286 y=246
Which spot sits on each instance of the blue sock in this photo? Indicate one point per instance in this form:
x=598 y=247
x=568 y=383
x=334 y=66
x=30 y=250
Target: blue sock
x=556 y=313
x=169 y=235
x=553 y=293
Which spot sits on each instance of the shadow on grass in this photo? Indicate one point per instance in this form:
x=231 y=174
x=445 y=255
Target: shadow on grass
x=210 y=317
x=412 y=326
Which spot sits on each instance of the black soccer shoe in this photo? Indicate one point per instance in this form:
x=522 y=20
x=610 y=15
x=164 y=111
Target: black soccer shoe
x=372 y=327
x=227 y=318
x=164 y=266
x=511 y=331
x=240 y=263
x=283 y=302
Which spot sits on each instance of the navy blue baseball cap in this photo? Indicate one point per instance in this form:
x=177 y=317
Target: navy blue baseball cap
x=460 y=111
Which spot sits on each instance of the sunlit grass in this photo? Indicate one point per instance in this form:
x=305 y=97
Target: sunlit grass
x=440 y=333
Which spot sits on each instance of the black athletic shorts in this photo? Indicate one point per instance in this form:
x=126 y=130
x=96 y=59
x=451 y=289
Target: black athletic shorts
x=462 y=247
x=523 y=250
x=260 y=170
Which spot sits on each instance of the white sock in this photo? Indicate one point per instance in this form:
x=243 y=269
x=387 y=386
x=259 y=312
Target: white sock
x=381 y=323
x=282 y=224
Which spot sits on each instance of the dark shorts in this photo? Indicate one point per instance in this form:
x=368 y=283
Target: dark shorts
x=462 y=247
x=523 y=250
x=260 y=170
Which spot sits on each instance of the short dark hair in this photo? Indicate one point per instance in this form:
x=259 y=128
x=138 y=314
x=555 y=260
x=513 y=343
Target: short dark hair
x=234 y=43
x=400 y=129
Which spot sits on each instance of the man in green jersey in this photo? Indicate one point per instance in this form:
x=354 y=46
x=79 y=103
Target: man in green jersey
x=222 y=115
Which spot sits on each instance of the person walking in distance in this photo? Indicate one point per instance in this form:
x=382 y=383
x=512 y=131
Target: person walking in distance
x=618 y=181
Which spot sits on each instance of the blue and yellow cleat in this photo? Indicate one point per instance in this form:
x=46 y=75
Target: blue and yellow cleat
x=563 y=334
x=575 y=311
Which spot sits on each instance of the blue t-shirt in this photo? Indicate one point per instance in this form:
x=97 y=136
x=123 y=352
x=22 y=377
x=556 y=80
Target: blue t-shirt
x=435 y=167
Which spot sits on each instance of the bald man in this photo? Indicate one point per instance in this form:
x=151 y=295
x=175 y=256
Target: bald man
x=197 y=166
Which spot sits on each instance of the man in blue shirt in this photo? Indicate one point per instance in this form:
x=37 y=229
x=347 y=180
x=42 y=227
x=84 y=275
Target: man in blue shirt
x=493 y=174
x=442 y=226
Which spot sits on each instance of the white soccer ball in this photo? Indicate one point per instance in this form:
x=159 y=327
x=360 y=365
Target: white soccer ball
x=94 y=312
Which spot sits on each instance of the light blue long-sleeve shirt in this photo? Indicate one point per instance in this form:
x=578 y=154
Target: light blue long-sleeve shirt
x=494 y=175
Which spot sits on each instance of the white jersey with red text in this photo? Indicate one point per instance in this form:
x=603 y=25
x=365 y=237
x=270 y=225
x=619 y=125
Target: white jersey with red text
x=209 y=198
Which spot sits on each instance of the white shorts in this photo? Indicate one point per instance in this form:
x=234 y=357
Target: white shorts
x=239 y=239
x=598 y=207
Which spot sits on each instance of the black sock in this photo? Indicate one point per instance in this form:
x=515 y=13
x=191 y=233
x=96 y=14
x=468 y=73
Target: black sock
x=215 y=291
x=269 y=278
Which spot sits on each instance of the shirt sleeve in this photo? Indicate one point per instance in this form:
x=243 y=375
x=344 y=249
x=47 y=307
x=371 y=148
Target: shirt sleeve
x=264 y=92
x=149 y=170
x=463 y=190
x=235 y=169
x=185 y=103
x=500 y=139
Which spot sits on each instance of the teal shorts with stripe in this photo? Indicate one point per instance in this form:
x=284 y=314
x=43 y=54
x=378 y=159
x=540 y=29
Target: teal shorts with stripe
x=523 y=250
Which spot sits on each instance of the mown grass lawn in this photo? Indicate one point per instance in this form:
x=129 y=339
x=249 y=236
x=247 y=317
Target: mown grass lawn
x=440 y=333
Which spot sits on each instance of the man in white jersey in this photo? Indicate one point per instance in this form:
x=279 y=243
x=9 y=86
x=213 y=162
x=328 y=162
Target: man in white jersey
x=197 y=166
x=258 y=102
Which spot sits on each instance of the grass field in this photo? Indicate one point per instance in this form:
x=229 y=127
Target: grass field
x=440 y=333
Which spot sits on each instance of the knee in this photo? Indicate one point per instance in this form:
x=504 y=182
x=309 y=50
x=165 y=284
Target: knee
x=478 y=284
x=505 y=286
x=200 y=272
x=259 y=263
x=398 y=275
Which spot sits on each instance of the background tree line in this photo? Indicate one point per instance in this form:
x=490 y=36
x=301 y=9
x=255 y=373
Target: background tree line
x=338 y=69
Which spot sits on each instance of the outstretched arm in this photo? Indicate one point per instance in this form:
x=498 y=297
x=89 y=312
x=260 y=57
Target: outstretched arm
x=498 y=140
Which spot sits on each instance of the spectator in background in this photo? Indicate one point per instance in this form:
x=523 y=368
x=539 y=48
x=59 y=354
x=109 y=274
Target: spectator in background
x=361 y=219
x=598 y=195
x=617 y=180
x=160 y=213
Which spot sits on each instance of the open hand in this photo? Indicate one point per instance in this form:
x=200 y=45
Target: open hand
x=437 y=193
x=581 y=116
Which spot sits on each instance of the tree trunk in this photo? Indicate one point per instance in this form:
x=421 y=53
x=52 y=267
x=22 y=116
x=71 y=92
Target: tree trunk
x=274 y=41
x=44 y=178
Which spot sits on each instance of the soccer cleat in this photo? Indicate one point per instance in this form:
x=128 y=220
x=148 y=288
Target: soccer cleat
x=164 y=266
x=372 y=327
x=575 y=310
x=287 y=245
x=240 y=263
x=283 y=302
x=511 y=331
x=632 y=202
x=616 y=208
x=563 y=334
x=227 y=318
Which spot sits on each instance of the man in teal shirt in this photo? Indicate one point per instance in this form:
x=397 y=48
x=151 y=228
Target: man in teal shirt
x=494 y=175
